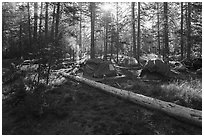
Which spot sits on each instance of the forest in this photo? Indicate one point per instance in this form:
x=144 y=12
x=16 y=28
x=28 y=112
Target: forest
x=101 y=68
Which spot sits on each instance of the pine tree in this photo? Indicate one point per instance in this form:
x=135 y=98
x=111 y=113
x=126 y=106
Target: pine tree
x=92 y=5
x=40 y=24
x=189 y=31
x=29 y=27
x=133 y=30
x=57 y=21
x=35 y=22
x=117 y=41
x=158 y=29
x=46 y=23
x=53 y=23
x=138 y=33
x=181 y=30
x=166 y=37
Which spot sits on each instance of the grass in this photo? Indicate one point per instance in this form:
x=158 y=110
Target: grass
x=186 y=93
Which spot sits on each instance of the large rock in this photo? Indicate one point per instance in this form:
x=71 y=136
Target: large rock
x=193 y=64
x=99 y=68
x=156 y=67
x=129 y=62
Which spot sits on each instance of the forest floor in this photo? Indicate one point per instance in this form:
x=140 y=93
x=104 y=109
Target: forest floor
x=185 y=92
x=78 y=109
x=95 y=112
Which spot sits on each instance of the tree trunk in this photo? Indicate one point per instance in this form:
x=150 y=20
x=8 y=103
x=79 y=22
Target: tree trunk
x=166 y=37
x=112 y=42
x=46 y=22
x=57 y=22
x=106 y=39
x=186 y=33
x=133 y=30
x=138 y=34
x=117 y=41
x=35 y=23
x=181 y=113
x=80 y=31
x=53 y=24
x=20 y=40
x=181 y=30
x=40 y=25
x=158 y=28
x=189 y=31
x=92 y=4
x=29 y=31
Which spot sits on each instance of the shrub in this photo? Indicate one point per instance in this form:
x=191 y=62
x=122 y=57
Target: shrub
x=187 y=93
x=26 y=103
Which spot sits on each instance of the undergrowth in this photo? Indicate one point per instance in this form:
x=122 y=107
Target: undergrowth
x=187 y=93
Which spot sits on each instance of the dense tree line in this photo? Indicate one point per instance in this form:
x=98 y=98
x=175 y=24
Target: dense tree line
x=123 y=28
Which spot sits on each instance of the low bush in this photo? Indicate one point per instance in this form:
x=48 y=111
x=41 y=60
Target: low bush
x=187 y=93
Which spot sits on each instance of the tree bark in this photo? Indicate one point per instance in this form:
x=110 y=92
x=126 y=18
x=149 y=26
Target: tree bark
x=181 y=30
x=158 y=28
x=20 y=40
x=57 y=22
x=53 y=23
x=189 y=31
x=166 y=37
x=186 y=33
x=46 y=23
x=92 y=4
x=80 y=30
x=133 y=30
x=40 y=25
x=117 y=41
x=181 y=113
x=106 y=38
x=35 y=22
x=112 y=41
x=29 y=31
x=138 y=34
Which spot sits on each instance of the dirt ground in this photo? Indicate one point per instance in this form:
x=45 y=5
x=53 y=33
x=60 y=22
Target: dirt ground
x=94 y=112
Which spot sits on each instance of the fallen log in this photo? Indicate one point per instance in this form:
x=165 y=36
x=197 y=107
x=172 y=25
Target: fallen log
x=181 y=113
x=103 y=79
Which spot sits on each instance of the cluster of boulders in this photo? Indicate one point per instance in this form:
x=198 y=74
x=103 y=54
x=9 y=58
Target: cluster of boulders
x=158 y=69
